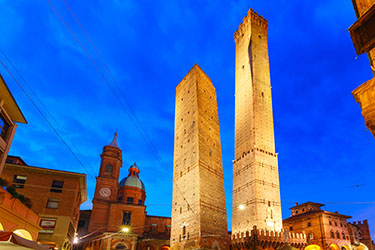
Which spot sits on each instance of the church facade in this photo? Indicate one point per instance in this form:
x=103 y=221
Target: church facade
x=118 y=219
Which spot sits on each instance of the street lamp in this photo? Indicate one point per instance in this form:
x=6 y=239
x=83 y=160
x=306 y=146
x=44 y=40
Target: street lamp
x=125 y=229
x=241 y=207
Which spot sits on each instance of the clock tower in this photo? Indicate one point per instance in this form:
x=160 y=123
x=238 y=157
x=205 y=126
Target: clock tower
x=106 y=184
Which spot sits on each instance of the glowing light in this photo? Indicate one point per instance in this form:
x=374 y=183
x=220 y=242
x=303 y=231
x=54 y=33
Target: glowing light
x=270 y=223
x=75 y=240
x=125 y=230
x=241 y=207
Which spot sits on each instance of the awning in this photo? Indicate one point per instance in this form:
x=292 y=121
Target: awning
x=11 y=241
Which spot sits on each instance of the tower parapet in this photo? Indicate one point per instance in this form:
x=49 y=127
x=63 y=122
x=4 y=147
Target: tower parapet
x=252 y=17
x=265 y=238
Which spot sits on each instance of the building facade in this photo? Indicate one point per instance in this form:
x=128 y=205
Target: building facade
x=360 y=236
x=198 y=203
x=256 y=191
x=10 y=113
x=118 y=219
x=363 y=33
x=17 y=218
x=55 y=195
x=327 y=230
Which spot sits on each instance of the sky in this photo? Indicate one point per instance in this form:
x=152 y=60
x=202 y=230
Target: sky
x=326 y=153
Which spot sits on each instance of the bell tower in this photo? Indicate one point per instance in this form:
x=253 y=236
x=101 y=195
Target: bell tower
x=106 y=184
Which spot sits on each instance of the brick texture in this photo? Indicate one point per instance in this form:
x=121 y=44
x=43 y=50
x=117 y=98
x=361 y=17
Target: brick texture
x=255 y=170
x=198 y=210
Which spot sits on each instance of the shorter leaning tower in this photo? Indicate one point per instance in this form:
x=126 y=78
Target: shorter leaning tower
x=198 y=210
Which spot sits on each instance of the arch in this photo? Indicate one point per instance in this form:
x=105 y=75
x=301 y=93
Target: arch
x=313 y=247
x=334 y=247
x=121 y=246
x=362 y=247
x=345 y=247
x=23 y=233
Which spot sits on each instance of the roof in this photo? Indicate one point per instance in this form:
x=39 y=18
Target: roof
x=306 y=204
x=10 y=105
x=132 y=181
x=114 y=141
x=314 y=212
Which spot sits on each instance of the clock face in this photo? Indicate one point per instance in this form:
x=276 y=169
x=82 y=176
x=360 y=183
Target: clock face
x=105 y=192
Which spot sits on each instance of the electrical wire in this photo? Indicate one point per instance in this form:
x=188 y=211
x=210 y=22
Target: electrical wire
x=132 y=116
x=44 y=116
x=47 y=111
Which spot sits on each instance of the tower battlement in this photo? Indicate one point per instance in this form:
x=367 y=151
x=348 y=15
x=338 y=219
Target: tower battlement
x=365 y=222
x=252 y=17
x=267 y=238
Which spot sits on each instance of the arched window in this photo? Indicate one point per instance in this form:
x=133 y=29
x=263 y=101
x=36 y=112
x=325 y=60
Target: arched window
x=343 y=235
x=332 y=234
x=108 y=169
x=311 y=236
x=120 y=246
x=337 y=235
x=184 y=230
x=309 y=224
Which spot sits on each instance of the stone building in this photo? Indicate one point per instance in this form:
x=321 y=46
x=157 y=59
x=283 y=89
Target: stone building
x=198 y=204
x=55 y=195
x=363 y=36
x=118 y=219
x=256 y=191
x=360 y=235
x=327 y=230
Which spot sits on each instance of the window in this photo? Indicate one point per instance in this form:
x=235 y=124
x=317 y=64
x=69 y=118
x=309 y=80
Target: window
x=4 y=127
x=184 y=230
x=130 y=200
x=168 y=228
x=47 y=225
x=303 y=210
x=311 y=236
x=290 y=228
x=109 y=169
x=332 y=235
x=335 y=223
x=309 y=224
x=126 y=217
x=337 y=235
x=53 y=203
x=343 y=235
x=330 y=222
x=57 y=186
x=19 y=181
x=81 y=223
x=154 y=227
x=139 y=202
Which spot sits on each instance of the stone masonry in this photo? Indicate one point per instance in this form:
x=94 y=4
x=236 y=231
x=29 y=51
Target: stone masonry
x=198 y=210
x=256 y=191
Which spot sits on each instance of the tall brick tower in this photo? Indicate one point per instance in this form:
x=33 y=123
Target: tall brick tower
x=106 y=186
x=256 y=192
x=198 y=210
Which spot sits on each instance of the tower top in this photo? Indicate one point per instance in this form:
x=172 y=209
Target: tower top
x=251 y=17
x=114 y=141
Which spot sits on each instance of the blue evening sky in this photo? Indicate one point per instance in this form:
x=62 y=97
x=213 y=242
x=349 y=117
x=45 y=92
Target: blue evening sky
x=326 y=154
